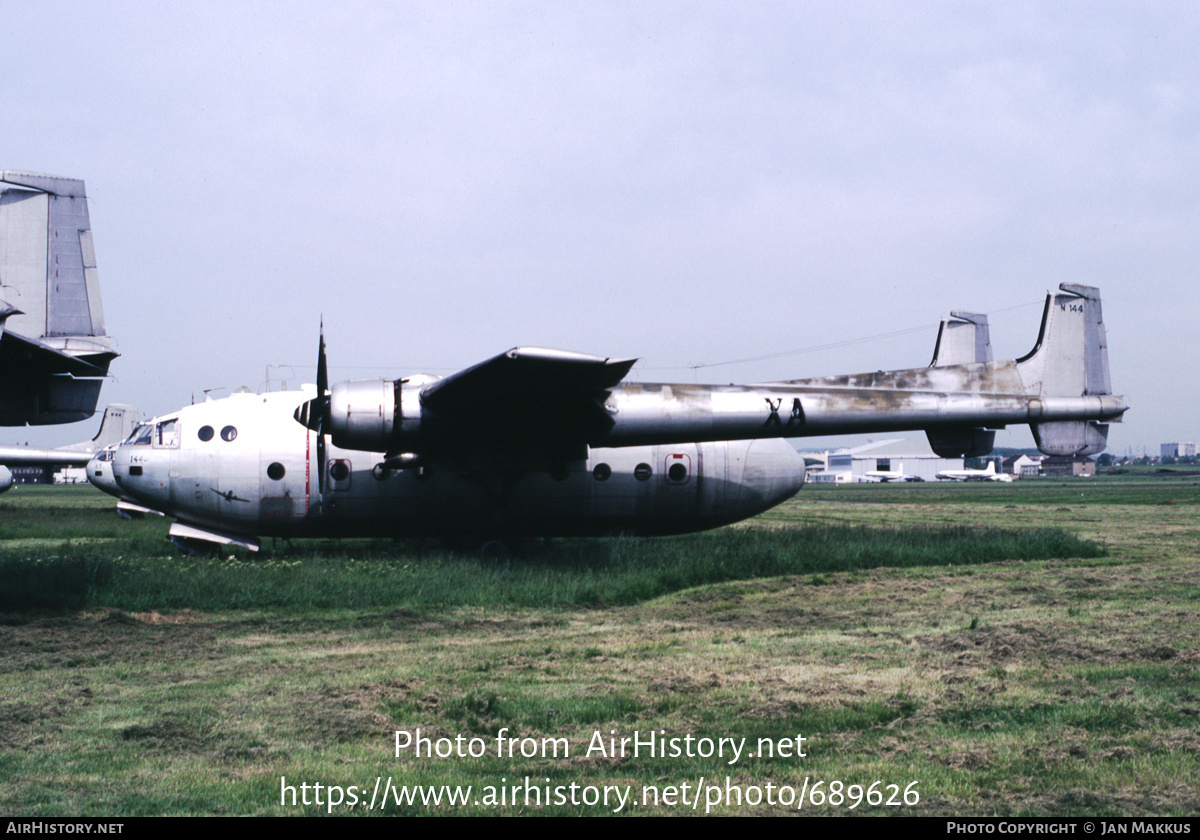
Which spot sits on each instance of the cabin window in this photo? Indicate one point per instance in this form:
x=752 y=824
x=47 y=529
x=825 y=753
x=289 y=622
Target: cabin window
x=276 y=471
x=228 y=433
x=642 y=472
x=166 y=433
x=205 y=433
x=602 y=472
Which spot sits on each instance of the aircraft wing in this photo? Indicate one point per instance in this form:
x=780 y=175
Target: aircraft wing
x=527 y=397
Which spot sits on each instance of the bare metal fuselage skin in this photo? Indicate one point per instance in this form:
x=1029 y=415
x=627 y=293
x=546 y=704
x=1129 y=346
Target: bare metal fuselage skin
x=263 y=482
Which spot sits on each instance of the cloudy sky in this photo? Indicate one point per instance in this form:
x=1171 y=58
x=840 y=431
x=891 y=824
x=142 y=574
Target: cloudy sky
x=689 y=183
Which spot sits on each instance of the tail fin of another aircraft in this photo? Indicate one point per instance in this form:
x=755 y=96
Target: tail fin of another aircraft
x=53 y=349
x=1069 y=360
x=118 y=424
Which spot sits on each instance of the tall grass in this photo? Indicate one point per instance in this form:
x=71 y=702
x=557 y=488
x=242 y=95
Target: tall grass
x=569 y=573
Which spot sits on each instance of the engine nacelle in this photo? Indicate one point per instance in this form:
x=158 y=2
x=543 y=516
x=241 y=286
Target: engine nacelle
x=375 y=415
x=6 y=479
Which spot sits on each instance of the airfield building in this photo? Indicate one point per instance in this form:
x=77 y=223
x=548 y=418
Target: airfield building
x=1077 y=465
x=910 y=460
x=1022 y=465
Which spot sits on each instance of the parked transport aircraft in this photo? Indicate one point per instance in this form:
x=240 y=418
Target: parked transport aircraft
x=541 y=442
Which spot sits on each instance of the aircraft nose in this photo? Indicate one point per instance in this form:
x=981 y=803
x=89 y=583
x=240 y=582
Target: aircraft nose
x=100 y=475
x=773 y=472
x=139 y=475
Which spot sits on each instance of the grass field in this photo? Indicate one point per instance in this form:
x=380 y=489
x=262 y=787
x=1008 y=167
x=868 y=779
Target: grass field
x=1020 y=649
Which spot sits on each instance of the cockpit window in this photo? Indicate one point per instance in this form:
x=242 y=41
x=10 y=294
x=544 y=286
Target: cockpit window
x=166 y=433
x=141 y=435
x=104 y=455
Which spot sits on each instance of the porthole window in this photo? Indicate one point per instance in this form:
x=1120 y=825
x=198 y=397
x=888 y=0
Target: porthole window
x=338 y=475
x=205 y=433
x=677 y=467
x=228 y=433
x=642 y=472
x=602 y=472
x=276 y=471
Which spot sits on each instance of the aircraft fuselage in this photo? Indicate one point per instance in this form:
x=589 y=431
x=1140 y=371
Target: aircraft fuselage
x=241 y=465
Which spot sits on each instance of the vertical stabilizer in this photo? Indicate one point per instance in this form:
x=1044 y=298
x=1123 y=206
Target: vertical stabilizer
x=53 y=349
x=118 y=424
x=47 y=259
x=1070 y=360
x=963 y=339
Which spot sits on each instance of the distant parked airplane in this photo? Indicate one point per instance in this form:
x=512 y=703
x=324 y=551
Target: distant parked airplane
x=988 y=474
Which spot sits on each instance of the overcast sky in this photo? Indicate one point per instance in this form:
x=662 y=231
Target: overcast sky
x=689 y=183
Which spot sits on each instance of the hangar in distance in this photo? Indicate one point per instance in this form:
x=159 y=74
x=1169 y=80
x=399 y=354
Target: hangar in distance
x=541 y=442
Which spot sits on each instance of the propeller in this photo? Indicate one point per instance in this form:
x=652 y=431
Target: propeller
x=314 y=414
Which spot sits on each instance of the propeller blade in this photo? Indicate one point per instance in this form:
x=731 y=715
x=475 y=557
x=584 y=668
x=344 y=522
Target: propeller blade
x=321 y=408
x=322 y=370
x=321 y=464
